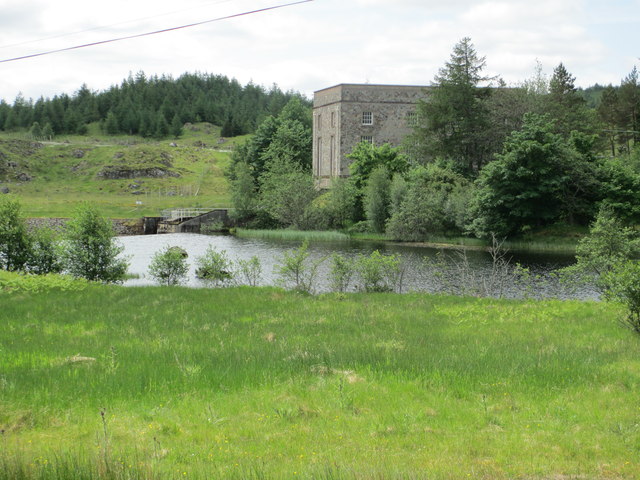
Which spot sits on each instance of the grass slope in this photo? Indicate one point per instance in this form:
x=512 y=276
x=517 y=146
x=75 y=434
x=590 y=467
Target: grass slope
x=51 y=178
x=263 y=383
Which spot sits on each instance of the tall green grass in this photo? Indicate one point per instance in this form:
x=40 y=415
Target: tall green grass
x=263 y=383
x=293 y=235
x=539 y=244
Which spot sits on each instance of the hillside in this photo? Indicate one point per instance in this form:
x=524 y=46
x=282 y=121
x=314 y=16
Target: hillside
x=126 y=176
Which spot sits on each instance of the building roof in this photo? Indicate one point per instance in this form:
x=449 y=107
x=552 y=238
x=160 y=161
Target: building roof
x=371 y=85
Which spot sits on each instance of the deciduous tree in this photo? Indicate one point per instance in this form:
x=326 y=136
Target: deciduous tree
x=524 y=186
x=90 y=249
x=15 y=242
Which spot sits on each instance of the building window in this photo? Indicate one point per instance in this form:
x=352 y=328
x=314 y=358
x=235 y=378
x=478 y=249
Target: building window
x=319 y=122
x=412 y=119
x=332 y=153
x=366 y=138
x=333 y=119
x=367 y=118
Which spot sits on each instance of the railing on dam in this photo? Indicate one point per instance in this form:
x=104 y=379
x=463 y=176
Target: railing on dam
x=182 y=213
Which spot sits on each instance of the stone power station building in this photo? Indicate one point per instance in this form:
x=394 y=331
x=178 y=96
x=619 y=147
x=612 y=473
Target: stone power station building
x=347 y=114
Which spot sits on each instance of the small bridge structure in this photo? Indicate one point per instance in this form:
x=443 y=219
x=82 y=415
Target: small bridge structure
x=180 y=220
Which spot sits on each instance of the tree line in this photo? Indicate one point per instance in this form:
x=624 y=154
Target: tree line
x=484 y=159
x=149 y=106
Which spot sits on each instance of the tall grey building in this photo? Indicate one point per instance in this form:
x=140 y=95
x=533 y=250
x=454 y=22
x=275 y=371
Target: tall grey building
x=347 y=114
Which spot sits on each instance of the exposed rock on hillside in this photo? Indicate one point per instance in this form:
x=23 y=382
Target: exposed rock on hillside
x=112 y=172
x=139 y=164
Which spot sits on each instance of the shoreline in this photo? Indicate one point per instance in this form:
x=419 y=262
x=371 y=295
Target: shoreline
x=136 y=226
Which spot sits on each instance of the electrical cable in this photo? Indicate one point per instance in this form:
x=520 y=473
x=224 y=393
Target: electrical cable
x=171 y=29
x=102 y=27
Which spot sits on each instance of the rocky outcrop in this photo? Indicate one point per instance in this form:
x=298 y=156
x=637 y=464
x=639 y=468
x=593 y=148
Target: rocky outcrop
x=112 y=172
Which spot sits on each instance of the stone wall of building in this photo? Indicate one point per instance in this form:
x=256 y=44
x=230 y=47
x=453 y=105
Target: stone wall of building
x=346 y=114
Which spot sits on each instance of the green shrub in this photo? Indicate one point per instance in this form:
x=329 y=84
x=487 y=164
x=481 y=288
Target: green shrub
x=250 y=270
x=46 y=252
x=622 y=283
x=342 y=270
x=90 y=250
x=378 y=273
x=376 y=199
x=608 y=244
x=15 y=242
x=296 y=271
x=214 y=267
x=169 y=266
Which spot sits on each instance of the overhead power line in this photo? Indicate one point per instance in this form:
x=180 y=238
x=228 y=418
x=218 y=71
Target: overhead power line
x=103 y=27
x=165 y=30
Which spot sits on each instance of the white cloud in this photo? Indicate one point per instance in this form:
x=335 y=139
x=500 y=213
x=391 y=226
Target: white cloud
x=313 y=45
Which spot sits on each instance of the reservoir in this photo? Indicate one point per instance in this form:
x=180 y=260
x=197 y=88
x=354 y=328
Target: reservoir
x=454 y=269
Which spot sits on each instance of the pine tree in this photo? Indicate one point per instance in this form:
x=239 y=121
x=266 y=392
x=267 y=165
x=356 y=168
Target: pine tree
x=162 y=126
x=111 y=124
x=629 y=97
x=176 y=126
x=609 y=113
x=566 y=106
x=455 y=115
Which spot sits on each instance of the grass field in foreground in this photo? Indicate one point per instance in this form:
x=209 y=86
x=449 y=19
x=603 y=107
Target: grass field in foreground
x=263 y=383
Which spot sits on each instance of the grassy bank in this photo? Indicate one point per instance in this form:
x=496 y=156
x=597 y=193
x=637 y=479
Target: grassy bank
x=263 y=383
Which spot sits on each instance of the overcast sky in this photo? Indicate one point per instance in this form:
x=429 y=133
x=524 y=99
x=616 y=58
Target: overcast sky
x=313 y=45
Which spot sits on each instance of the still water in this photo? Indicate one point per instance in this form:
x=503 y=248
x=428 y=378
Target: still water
x=140 y=250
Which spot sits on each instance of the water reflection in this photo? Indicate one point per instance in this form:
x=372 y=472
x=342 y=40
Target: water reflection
x=141 y=249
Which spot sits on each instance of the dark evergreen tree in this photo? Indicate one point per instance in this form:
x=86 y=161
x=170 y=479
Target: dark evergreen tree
x=111 y=124
x=454 y=118
x=609 y=113
x=139 y=99
x=230 y=127
x=162 y=126
x=629 y=109
x=567 y=106
x=176 y=126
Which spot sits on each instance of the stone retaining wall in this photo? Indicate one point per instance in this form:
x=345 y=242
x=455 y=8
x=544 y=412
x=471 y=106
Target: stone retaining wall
x=121 y=226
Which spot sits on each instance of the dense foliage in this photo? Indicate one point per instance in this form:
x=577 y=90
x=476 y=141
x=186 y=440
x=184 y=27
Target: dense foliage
x=21 y=249
x=169 y=266
x=528 y=184
x=271 y=172
x=455 y=118
x=90 y=250
x=149 y=106
x=86 y=250
x=487 y=159
x=15 y=242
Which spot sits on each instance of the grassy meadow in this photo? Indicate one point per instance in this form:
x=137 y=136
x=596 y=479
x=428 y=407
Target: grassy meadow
x=157 y=382
x=71 y=170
